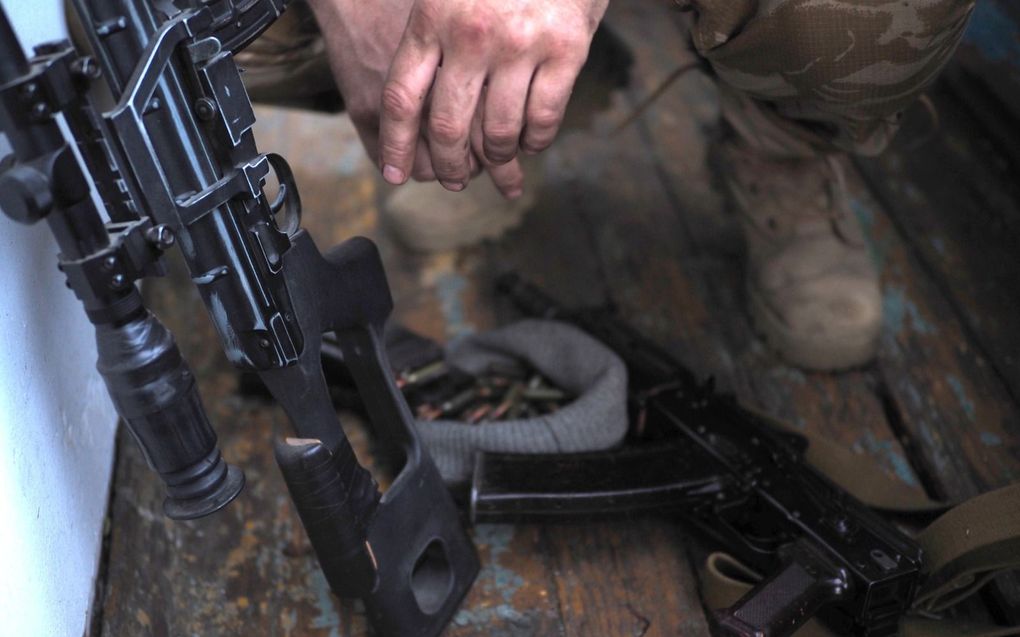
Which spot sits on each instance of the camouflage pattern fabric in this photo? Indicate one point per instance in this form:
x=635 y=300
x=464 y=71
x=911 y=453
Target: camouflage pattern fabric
x=824 y=74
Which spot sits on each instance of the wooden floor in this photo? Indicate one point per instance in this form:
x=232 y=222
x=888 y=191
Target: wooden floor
x=635 y=219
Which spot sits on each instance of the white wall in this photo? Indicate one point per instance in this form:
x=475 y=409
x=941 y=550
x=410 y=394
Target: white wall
x=56 y=421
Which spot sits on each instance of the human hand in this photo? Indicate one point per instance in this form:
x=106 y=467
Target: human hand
x=362 y=39
x=486 y=77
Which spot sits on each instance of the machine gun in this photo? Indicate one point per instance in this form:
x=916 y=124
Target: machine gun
x=732 y=475
x=174 y=162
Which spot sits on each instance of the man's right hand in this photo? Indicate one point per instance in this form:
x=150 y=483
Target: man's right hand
x=362 y=37
x=489 y=76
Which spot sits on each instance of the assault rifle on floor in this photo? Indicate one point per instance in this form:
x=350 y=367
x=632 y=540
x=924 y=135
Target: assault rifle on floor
x=174 y=163
x=745 y=484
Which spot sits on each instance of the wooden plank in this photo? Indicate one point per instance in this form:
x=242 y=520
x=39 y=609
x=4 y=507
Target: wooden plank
x=964 y=231
x=614 y=580
x=954 y=405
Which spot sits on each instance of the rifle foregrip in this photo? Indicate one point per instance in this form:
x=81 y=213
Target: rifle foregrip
x=336 y=498
x=782 y=603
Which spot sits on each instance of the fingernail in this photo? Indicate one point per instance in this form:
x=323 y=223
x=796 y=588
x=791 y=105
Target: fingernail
x=393 y=175
x=455 y=186
x=515 y=194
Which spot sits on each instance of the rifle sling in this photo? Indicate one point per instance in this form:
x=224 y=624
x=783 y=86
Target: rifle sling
x=968 y=545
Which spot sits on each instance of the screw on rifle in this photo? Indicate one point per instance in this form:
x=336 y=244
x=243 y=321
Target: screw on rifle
x=109 y=262
x=153 y=105
x=264 y=343
x=85 y=68
x=842 y=525
x=205 y=109
x=118 y=281
x=40 y=110
x=161 y=236
x=111 y=26
x=30 y=91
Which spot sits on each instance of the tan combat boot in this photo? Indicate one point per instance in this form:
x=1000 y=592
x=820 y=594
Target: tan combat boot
x=427 y=218
x=812 y=286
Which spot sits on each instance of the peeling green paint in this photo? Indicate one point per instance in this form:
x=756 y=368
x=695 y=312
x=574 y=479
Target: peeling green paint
x=961 y=396
x=890 y=456
x=994 y=33
x=449 y=287
x=990 y=439
x=496 y=578
x=878 y=246
x=896 y=308
x=791 y=374
x=328 y=616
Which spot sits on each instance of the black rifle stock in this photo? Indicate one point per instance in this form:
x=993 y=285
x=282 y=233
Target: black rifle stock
x=174 y=162
x=731 y=474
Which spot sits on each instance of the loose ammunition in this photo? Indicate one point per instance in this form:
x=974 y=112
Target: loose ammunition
x=476 y=415
x=460 y=401
x=428 y=412
x=512 y=397
x=517 y=411
x=422 y=375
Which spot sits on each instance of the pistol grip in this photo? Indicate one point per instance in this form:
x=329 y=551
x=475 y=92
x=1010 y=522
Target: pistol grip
x=783 y=602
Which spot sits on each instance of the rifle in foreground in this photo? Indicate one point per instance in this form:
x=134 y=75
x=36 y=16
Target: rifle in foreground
x=732 y=475
x=174 y=163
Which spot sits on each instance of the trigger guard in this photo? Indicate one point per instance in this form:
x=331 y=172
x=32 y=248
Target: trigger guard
x=287 y=206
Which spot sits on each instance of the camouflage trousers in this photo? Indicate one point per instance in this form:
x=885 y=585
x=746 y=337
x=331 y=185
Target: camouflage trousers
x=803 y=76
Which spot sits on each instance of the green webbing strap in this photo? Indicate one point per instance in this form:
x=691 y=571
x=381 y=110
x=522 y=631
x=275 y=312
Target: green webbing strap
x=724 y=580
x=964 y=548
x=859 y=475
x=968 y=546
x=869 y=484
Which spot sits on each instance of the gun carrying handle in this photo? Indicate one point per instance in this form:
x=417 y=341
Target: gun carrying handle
x=783 y=602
